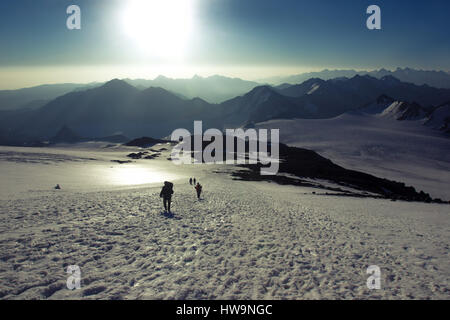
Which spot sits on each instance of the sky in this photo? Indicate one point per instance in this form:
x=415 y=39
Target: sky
x=250 y=39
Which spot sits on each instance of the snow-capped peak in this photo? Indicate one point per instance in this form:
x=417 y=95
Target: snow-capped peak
x=314 y=87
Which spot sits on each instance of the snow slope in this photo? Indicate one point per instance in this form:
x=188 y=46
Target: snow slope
x=440 y=119
x=404 y=151
x=243 y=240
x=34 y=171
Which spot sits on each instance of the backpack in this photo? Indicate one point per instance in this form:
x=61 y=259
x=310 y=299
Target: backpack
x=167 y=190
x=168 y=184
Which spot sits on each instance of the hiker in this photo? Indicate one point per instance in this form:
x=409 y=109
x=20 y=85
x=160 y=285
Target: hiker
x=194 y=181
x=190 y=181
x=166 y=194
x=198 y=188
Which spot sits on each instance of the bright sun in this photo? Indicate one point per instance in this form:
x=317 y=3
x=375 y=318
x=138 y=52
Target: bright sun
x=160 y=27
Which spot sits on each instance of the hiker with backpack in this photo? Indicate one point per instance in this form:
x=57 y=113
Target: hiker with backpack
x=198 y=188
x=166 y=194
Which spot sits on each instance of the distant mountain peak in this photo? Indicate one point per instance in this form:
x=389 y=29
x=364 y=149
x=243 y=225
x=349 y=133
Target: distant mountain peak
x=161 y=77
x=314 y=80
x=360 y=77
x=114 y=81
x=65 y=135
x=261 y=90
x=389 y=108
x=117 y=84
x=390 y=79
x=157 y=90
x=400 y=110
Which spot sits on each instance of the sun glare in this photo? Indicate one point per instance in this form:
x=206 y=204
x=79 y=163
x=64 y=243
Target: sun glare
x=135 y=175
x=161 y=28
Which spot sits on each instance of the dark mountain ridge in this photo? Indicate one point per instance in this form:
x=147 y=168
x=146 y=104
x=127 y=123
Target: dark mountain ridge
x=118 y=106
x=433 y=78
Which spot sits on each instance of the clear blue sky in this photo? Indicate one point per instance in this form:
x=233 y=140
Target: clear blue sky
x=278 y=36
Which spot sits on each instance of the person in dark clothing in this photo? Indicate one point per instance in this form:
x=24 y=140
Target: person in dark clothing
x=166 y=194
x=194 y=181
x=198 y=188
x=190 y=181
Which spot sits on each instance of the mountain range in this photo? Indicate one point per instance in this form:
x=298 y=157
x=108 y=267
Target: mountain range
x=346 y=94
x=386 y=107
x=35 y=97
x=214 y=89
x=438 y=79
x=113 y=108
x=118 y=108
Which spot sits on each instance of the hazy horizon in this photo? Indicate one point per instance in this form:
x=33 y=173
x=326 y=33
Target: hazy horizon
x=142 y=76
